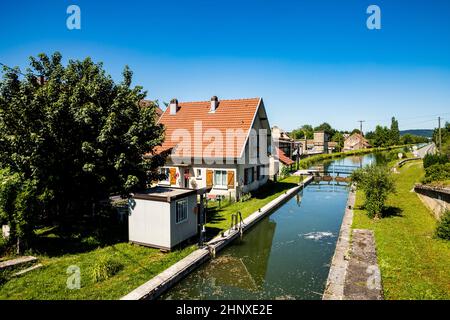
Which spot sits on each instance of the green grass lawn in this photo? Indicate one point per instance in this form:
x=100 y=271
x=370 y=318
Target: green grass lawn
x=219 y=219
x=414 y=264
x=49 y=282
x=140 y=264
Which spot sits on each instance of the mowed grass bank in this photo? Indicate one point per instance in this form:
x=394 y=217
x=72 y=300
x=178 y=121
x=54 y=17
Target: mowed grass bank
x=414 y=264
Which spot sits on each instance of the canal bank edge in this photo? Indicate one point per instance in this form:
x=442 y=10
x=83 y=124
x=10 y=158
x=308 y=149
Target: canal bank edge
x=172 y=275
x=334 y=289
x=354 y=272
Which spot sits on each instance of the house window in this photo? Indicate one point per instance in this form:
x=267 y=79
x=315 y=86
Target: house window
x=249 y=175
x=166 y=173
x=182 y=210
x=220 y=178
x=198 y=173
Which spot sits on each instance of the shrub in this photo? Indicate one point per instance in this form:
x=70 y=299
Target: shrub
x=437 y=172
x=245 y=197
x=91 y=242
x=3 y=277
x=376 y=182
x=443 y=227
x=105 y=268
x=2 y=244
x=432 y=159
x=285 y=172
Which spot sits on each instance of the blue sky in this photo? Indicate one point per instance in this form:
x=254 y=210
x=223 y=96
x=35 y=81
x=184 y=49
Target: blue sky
x=311 y=61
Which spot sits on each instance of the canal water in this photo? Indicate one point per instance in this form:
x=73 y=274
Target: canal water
x=287 y=255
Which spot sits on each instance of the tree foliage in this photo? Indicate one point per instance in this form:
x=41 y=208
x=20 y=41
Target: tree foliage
x=377 y=183
x=443 y=227
x=394 y=132
x=305 y=131
x=73 y=140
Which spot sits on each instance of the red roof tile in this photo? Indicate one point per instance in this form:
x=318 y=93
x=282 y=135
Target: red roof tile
x=229 y=115
x=284 y=158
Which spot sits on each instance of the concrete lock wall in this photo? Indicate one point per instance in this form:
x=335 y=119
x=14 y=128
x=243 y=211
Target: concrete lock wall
x=149 y=223
x=436 y=199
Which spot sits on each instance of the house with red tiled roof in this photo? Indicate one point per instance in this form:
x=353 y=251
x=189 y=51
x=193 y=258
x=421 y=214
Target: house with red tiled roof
x=356 y=141
x=224 y=145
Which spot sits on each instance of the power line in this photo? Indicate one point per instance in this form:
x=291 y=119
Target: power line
x=408 y=118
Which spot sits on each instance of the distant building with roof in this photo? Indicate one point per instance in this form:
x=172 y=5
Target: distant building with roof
x=356 y=141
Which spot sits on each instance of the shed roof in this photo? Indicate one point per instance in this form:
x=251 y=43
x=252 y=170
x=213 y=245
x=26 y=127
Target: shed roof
x=164 y=194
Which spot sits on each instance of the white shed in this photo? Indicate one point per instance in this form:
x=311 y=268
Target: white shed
x=163 y=217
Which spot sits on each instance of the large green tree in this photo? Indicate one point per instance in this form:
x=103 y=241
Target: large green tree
x=70 y=137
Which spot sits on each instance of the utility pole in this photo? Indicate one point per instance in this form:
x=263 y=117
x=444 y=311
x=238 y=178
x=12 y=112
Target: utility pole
x=360 y=126
x=440 y=137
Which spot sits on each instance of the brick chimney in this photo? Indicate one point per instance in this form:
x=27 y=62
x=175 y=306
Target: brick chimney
x=173 y=106
x=214 y=104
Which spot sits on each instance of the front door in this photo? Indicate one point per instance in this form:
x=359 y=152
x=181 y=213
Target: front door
x=186 y=178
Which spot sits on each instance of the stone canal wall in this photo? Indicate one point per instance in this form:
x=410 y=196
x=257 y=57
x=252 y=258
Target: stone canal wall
x=334 y=289
x=354 y=272
x=172 y=275
x=437 y=199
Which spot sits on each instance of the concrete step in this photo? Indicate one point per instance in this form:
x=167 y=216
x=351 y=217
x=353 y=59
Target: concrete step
x=13 y=263
x=21 y=272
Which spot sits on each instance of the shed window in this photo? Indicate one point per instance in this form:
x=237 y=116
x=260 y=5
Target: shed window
x=220 y=178
x=182 y=210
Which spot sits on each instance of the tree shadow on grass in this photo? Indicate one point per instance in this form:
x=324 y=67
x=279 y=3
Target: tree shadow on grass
x=54 y=243
x=214 y=215
x=390 y=211
x=271 y=188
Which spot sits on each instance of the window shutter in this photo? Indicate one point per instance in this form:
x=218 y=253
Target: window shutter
x=209 y=178
x=173 y=177
x=230 y=176
x=245 y=177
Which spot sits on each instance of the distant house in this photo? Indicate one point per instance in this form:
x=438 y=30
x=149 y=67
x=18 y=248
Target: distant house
x=321 y=141
x=201 y=152
x=332 y=146
x=284 y=160
x=356 y=141
x=318 y=145
x=284 y=142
